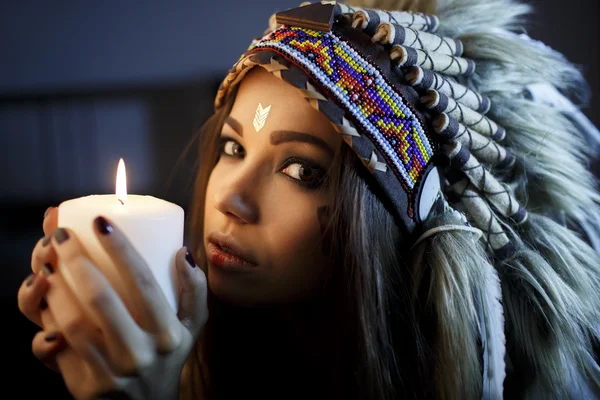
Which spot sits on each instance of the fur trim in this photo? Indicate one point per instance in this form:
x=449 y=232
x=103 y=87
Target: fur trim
x=425 y=6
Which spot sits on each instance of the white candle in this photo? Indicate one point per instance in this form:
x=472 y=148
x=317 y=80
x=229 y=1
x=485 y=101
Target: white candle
x=153 y=226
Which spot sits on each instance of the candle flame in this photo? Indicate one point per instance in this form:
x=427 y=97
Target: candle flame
x=121 y=187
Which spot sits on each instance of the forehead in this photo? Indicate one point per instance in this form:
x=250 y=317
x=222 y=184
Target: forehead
x=289 y=109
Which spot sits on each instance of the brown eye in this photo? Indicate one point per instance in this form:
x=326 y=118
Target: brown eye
x=232 y=148
x=305 y=173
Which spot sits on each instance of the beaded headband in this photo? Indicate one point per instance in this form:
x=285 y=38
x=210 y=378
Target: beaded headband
x=390 y=86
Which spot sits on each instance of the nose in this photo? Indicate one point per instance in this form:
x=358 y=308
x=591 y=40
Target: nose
x=235 y=200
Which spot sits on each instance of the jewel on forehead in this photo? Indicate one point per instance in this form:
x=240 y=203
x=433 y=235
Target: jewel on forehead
x=260 y=117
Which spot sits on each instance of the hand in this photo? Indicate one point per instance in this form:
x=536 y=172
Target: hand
x=31 y=297
x=108 y=351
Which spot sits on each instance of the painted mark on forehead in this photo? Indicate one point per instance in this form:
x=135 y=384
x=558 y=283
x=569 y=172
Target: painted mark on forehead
x=260 y=116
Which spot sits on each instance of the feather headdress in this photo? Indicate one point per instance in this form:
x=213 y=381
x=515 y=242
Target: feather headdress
x=438 y=105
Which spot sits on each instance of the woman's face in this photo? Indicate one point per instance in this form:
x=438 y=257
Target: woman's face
x=266 y=200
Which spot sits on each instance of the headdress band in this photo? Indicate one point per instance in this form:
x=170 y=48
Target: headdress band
x=388 y=83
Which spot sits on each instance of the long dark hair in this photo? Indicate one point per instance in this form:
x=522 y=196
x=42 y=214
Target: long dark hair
x=376 y=354
x=408 y=320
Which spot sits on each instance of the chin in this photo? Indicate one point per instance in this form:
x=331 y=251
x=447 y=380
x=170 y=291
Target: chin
x=249 y=293
x=233 y=291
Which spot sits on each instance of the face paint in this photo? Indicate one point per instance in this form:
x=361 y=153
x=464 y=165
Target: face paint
x=323 y=217
x=260 y=117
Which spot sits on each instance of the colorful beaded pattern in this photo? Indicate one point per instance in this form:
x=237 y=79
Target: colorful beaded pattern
x=362 y=89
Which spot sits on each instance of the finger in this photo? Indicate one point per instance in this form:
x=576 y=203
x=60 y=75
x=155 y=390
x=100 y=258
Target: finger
x=139 y=279
x=30 y=295
x=45 y=346
x=48 y=322
x=50 y=220
x=80 y=333
x=43 y=253
x=193 y=310
x=127 y=344
x=85 y=379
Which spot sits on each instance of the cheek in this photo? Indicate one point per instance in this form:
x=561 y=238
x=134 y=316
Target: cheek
x=209 y=199
x=296 y=236
x=323 y=216
x=296 y=241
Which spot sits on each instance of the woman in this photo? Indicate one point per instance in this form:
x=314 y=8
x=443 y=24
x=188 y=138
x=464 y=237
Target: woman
x=382 y=210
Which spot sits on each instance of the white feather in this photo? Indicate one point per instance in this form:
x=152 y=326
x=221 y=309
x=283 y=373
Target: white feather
x=490 y=314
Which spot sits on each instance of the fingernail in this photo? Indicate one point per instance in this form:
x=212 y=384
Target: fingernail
x=47 y=269
x=190 y=259
x=43 y=304
x=103 y=226
x=46 y=240
x=30 y=279
x=61 y=235
x=47 y=211
x=51 y=337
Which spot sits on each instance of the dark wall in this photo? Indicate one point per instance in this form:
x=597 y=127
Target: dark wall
x=83 y=84
x=573 y=28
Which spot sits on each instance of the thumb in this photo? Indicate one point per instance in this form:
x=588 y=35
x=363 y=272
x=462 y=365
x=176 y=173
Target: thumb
x=193 y=308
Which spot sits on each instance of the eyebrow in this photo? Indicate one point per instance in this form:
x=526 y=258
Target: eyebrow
x=278 y=137
x=235 y=125
x=284 y=136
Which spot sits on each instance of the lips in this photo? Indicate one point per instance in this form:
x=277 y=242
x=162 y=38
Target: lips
x=225 y=251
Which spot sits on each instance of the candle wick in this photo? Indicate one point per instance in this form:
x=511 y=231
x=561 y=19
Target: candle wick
x=121 y=201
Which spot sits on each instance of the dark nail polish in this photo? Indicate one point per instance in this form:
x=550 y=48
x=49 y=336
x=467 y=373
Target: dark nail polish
x=61 y=235
x=51 y=337
x=30 y=279
x=43 y=304
x=46 y=240
x=103 y=226
x=47 y=269
x=190 y=259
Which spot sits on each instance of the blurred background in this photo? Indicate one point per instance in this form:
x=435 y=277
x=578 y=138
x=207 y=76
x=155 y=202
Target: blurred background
x=83 y=84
